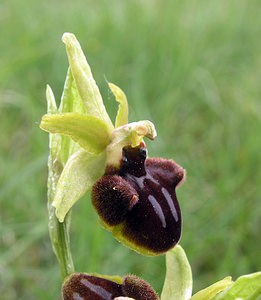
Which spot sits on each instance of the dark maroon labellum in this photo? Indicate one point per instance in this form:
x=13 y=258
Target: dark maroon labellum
x=141 y=196
x=81 y=286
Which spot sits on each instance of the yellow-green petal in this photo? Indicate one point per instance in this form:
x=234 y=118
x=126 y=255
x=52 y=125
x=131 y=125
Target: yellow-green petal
x=122 y=114
x=91 y=133
x=78 y=176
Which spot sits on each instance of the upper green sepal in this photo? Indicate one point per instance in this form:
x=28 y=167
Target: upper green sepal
x=85 y=83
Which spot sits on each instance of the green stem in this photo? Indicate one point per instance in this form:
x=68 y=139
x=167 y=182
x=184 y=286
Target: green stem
x=66 y=262
x=59 y=234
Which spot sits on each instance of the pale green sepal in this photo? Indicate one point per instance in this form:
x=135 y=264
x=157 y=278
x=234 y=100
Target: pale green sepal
x=54 y=140
x=122 y=114
x=79 y=174
x=247 y=287
x=178 y=280
x=71 y=101
x=89 y=132
x=211 y=291
x=128 y=135
x=59 y=233
x=51 y=103
x=86 y=85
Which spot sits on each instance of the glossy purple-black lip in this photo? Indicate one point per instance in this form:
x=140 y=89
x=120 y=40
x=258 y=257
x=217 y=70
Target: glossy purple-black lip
x=141 y=195
x=81 y=286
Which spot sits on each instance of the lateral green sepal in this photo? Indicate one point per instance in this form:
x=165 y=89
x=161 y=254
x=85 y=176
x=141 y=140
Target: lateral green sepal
x=91 y=133
x=78 y=176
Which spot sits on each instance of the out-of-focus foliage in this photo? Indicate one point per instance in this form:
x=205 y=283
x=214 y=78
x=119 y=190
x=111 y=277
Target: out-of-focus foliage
x=193 y=68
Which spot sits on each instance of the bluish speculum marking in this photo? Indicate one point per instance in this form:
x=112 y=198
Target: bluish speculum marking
x=97 y=289
x=170 y=203
x=157 y=209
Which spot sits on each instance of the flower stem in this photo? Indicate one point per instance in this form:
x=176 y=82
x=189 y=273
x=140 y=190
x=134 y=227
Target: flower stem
x=65 y=261
x=59 y=232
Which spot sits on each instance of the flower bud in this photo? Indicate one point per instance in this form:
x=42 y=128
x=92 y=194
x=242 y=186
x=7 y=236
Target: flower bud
x=138 y=203
x=81 y=286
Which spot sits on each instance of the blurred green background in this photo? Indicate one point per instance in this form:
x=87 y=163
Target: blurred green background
x=193 y=68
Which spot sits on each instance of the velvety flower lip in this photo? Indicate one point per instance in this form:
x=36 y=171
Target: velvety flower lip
x=82 y=286
x=139 y=200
